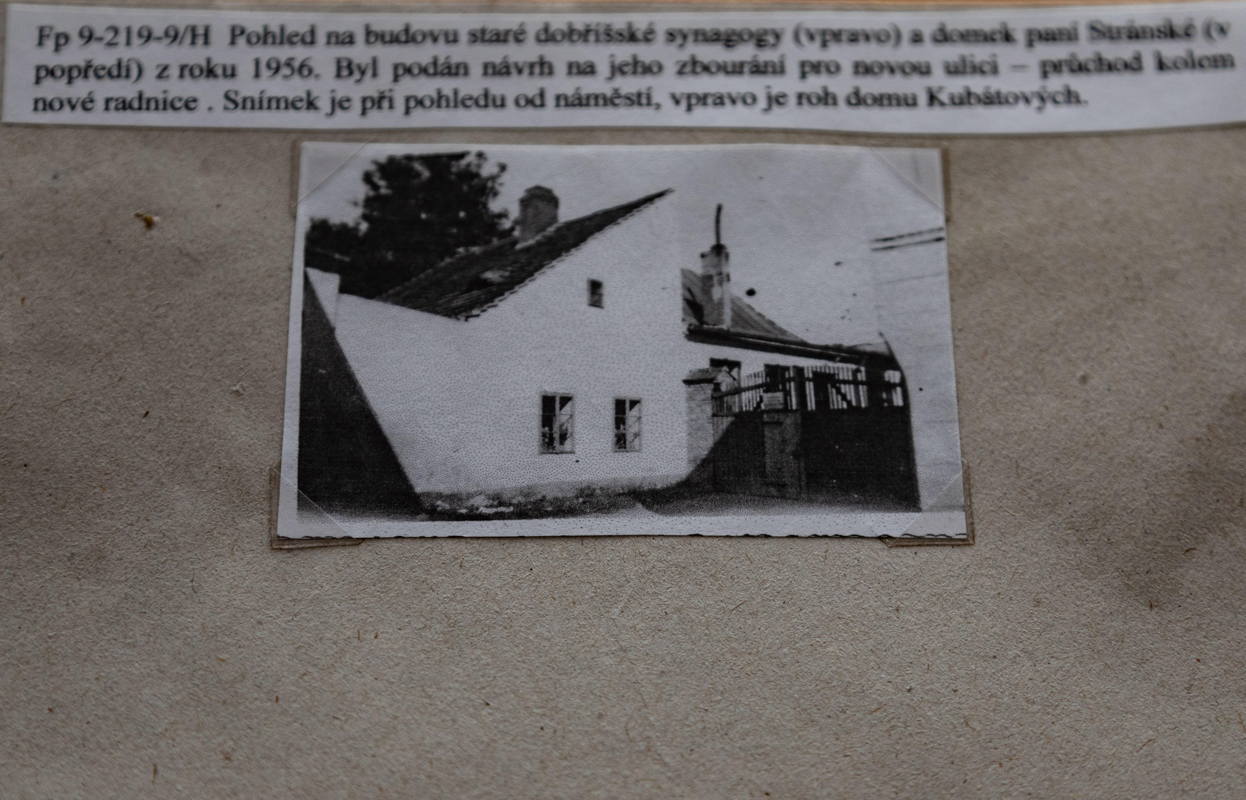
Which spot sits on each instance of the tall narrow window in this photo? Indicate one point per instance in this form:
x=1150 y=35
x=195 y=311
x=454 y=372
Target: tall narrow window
x=626 y=425
x=557 y=423
x=596 y=294
x=732 y=367
x=729 y=400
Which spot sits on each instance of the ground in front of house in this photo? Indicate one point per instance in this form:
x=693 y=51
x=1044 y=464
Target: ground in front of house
x=675 y=501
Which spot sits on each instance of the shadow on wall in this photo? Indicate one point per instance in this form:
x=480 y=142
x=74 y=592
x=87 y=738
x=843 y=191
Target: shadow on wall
x=346 y=464
x=862 y=459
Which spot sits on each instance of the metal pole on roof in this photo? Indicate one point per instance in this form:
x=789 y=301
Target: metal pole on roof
x=718 y=229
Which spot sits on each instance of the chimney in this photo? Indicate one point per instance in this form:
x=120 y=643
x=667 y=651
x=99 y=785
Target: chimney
x=716 y=279
x=538 y=211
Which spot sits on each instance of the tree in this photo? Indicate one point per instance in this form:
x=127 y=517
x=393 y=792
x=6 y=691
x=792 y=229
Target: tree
x=331 y=246
x=418 y=210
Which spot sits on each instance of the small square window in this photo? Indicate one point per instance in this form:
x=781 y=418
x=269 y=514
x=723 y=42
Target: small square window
x=557 y=423
x=626 y=425
x=731 y=366
x=596 y=294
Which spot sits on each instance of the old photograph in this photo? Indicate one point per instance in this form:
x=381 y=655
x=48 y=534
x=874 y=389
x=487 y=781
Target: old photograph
x=495 y=340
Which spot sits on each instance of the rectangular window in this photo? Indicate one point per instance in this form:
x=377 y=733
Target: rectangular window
x=732 y=367
x=626 y=425
x=557 y=423
x=596 y=294
x=729 y=401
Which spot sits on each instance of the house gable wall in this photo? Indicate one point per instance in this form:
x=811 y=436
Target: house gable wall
x=461 y=400
x=472 y=422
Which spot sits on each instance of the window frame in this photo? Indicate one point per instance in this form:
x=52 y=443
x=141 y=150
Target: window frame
x=555 y=449
x=596 y=291
x=733 y=368
x=630 y=444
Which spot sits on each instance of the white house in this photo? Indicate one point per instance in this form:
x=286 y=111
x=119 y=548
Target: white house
x=586 y=353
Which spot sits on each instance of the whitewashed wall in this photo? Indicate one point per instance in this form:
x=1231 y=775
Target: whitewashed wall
x=460 y=401
x=912 y=300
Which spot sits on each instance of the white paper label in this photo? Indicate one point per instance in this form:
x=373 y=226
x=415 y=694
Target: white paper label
x=979 y=71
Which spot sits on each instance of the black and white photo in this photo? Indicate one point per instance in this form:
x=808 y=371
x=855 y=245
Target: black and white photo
x=528 y=340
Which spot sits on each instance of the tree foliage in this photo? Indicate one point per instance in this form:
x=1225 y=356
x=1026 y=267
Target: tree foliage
x=417 y=211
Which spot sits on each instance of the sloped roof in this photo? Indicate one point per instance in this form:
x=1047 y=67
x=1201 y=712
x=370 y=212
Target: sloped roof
x=753 y=330
x=466 y=284
x=744 y=318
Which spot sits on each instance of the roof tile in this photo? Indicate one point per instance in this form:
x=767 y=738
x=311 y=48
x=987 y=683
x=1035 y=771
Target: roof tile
x=744 y=318
x=467 y=284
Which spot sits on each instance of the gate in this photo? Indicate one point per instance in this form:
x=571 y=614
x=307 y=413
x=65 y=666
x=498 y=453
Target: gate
x=836 y=433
